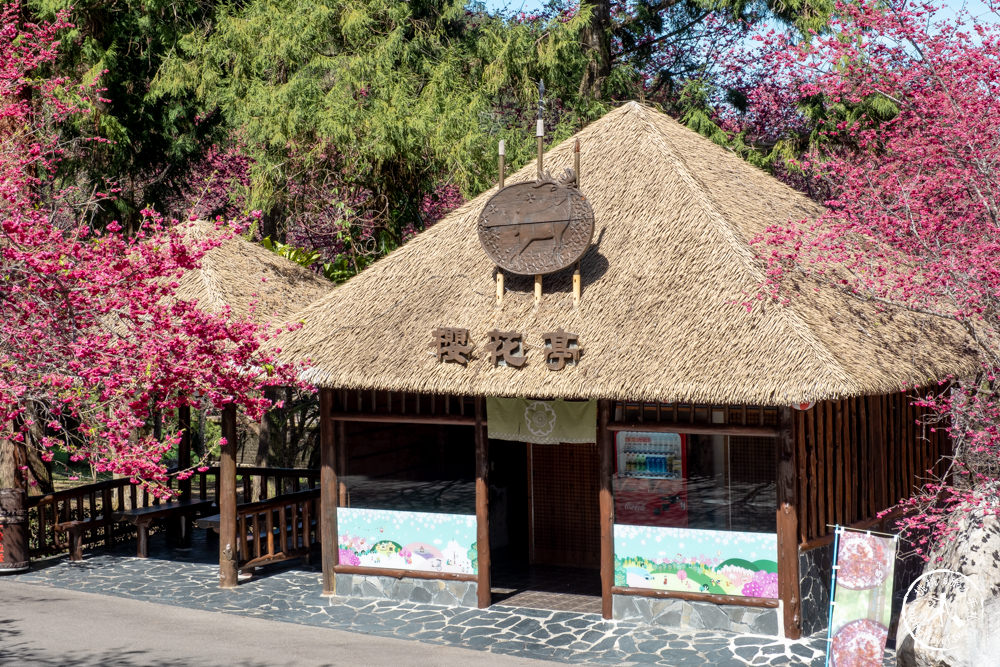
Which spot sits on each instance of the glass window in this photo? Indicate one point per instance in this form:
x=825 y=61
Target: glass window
x=410 y=467
x=712 y=482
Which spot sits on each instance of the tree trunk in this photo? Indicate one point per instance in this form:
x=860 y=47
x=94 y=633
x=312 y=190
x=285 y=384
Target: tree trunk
x=38 y=470
x=596 y=43
x=11 y=459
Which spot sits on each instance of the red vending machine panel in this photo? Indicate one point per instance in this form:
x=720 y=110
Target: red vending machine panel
x=651 y=488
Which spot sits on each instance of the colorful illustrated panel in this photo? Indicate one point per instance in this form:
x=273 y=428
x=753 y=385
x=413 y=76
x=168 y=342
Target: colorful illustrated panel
x=407 y=540
x=862 y=601
x=690 y=560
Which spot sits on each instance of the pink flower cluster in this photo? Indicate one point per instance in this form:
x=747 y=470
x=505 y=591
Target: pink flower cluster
x=92 y=339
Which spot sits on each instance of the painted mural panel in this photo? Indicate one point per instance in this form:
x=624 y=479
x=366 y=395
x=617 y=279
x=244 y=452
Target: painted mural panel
x=424 y=541
x=690 y=560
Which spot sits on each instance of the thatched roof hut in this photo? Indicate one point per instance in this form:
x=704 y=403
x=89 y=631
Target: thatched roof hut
x=253 y=281
x=659 y=318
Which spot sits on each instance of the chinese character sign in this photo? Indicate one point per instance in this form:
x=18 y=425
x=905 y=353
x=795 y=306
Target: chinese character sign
x=560 y=347
x=452 y=344
x=507 y=348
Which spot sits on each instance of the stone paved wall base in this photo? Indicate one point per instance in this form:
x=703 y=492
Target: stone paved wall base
x=672 y=612
x=428 y=591
x=814 y=587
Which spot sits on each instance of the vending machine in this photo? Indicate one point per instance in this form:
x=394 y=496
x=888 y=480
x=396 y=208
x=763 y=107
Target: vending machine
x=650 y=486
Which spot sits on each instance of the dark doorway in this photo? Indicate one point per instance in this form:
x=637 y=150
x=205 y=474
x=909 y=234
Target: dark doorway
x=544 y=530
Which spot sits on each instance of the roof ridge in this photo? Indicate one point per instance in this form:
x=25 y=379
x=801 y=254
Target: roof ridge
x=733 y=238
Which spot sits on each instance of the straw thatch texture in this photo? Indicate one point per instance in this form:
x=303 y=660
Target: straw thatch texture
x=657 y=320
x=253 y=281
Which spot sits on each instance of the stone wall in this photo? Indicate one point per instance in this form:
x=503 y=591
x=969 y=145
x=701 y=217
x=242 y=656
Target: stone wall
x=814 y=588
x=673 y=612
x=430 y=591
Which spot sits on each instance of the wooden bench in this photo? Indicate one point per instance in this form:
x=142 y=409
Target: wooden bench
x=142 y=517
x=75 y=530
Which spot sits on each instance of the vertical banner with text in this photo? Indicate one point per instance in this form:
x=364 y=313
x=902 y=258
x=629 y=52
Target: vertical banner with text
x=861 y=603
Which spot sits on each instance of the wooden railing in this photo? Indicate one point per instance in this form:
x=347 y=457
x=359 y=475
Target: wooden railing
x=277 y=529
x=89 y=502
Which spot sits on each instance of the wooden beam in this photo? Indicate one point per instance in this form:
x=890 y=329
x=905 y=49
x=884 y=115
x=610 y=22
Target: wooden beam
x=484 y=583
x=403 y=574
x=606 y=508
x=329 y=491
x=697 y=597
x=707 y=429
x=227 y=501
x=443 y=420
x=788 y=527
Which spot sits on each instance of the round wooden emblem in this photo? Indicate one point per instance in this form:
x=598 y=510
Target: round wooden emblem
x=536 y=227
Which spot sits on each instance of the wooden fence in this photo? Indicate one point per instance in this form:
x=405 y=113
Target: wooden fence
x=96 y=502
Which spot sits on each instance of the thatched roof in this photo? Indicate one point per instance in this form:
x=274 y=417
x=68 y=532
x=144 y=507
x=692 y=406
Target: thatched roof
x=239 y=274
x=658 y=320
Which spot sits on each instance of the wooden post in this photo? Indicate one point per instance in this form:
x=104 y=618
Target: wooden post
x=227 y=500
x=184 y=449
x=788 y=527
x=329 y=491
x=538 y=289
x=484 y=583
x=576 y=285
x=183 y=463
x=605 y=442
x=499 y=286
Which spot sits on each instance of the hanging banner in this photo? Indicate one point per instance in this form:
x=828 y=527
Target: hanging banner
x=861 y=603
x=541 y=422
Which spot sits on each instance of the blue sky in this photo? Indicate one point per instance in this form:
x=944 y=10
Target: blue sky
x=977 y=8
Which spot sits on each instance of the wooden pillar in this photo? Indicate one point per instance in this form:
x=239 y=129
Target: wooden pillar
x=788 y=527
x=227 y=501
x=183 y=463
x=606 y=509
x=329 y=491
x=484 y=583
x=184 y=449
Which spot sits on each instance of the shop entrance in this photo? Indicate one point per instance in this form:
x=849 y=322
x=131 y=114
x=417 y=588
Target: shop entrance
x=544 y=529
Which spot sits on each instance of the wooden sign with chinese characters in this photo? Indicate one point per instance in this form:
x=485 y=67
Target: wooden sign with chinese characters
x=451 y=344
x=538 y=227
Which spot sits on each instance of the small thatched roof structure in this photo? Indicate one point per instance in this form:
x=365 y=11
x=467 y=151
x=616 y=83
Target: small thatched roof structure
x=239 y=274
x=659 y=319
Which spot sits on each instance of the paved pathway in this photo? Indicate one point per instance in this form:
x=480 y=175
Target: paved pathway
x=292 y=594
x=41 y=626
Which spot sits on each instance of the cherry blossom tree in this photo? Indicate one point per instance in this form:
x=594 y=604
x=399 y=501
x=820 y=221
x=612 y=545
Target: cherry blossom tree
x=907 y=144
x=92 y=341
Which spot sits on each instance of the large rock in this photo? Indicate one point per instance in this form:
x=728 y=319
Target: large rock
x=956 y=614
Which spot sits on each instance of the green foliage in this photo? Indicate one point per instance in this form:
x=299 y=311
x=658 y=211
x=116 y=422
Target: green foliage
x=336 y=271
x=383 y=95
x=121 y=44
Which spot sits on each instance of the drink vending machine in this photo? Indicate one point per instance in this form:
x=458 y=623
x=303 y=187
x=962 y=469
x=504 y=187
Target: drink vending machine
x=651 y=479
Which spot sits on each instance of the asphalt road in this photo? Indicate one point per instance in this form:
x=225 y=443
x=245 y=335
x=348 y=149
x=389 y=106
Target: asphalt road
x=57 y=627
